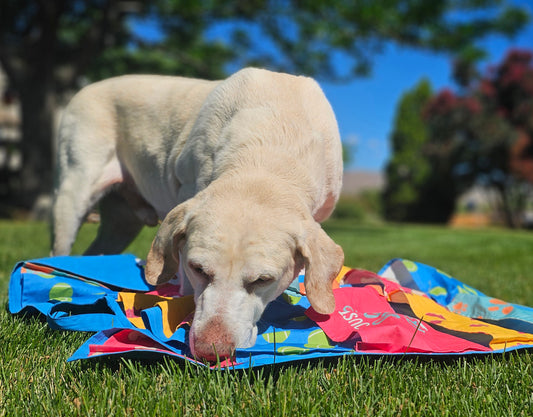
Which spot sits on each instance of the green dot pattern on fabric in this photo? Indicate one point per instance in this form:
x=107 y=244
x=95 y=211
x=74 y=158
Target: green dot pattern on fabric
x=276 y=337
x=291 y=299
x=438 y=291
x=61 y=292
x=465 y=289
x=411 y=266
x=318 y=339
x=291 y=350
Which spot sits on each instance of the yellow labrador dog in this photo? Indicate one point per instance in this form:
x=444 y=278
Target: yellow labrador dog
x=240 y=171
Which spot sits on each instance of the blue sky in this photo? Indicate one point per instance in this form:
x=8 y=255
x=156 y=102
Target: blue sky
x=365 y=106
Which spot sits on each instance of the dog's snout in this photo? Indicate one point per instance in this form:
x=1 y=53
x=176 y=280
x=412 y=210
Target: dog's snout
x=213 y=341
x=213 y=351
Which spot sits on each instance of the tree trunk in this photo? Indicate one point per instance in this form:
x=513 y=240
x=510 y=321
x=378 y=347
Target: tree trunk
x=506 y=206
x=38 y=108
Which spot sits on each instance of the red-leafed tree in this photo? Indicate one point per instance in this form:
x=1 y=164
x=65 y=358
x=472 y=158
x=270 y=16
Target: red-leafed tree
x=484 y=132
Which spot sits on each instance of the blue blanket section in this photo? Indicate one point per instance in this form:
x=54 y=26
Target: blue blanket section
x=80 y=293
x=77 y=292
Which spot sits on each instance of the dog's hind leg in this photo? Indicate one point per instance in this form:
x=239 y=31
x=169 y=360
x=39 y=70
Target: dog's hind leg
x=79 y=189
x=83 y=178
x=87 y=166
x=69 y=210
x=66 y=221
x=119 y=225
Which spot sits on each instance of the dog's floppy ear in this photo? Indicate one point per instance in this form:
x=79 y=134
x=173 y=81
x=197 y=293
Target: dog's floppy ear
x=323 y=260
x=163 y=259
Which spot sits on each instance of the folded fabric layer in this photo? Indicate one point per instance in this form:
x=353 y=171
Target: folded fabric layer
x=408 y=308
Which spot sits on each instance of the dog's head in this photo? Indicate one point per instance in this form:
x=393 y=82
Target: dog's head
x=237 y=261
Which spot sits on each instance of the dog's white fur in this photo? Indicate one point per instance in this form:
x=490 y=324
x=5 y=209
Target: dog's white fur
x=240 y=172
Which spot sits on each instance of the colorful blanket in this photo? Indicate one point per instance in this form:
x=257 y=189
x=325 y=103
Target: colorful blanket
x=407 y=308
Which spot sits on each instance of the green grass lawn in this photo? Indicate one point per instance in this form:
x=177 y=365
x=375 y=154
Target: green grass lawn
x=35 y=378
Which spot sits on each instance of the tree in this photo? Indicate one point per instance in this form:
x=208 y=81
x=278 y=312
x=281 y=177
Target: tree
x=418 y=187
x=484 y=131
x=47 y=47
